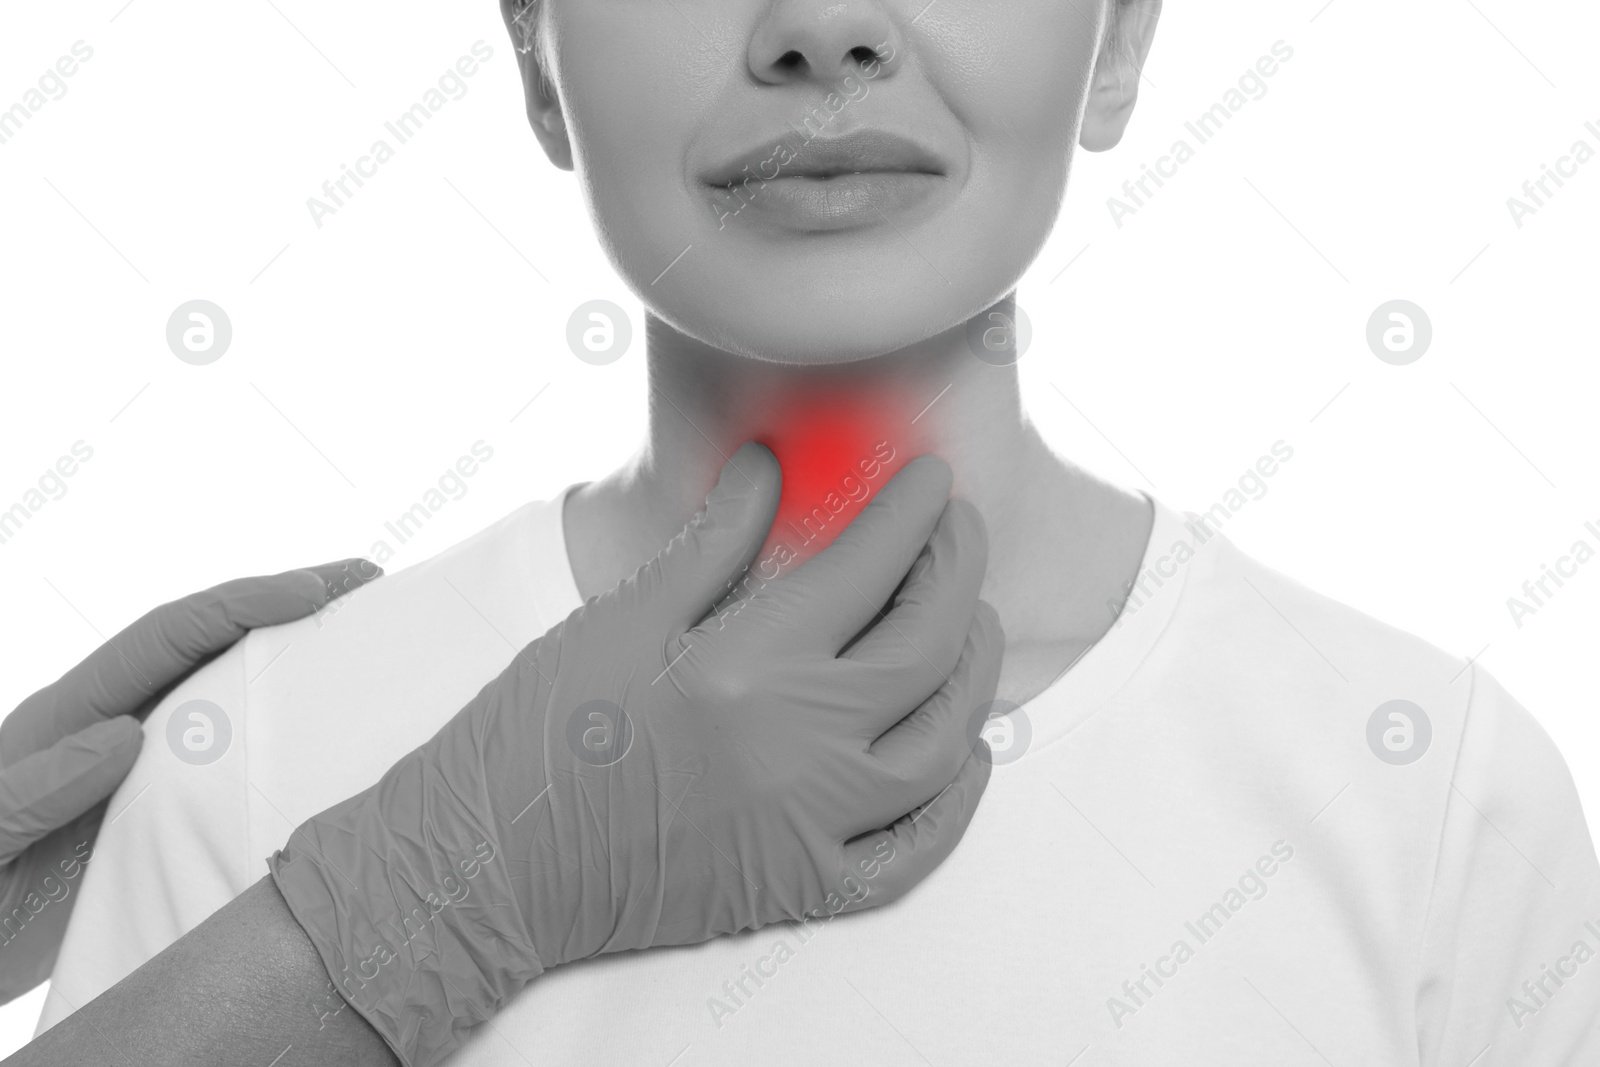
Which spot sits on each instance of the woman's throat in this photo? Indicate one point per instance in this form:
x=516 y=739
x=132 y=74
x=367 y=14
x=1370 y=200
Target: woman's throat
x=836 y=451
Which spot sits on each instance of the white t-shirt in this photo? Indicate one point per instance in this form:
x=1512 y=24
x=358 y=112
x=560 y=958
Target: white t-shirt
x=1200 y=856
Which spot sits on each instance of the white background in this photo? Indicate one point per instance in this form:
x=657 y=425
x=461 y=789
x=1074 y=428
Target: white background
x=1227 y=314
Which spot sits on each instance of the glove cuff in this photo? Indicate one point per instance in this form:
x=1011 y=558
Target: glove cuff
x=413 y=912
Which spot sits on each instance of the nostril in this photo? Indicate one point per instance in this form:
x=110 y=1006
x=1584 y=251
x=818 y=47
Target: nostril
x=791 y=60
x=864 y=55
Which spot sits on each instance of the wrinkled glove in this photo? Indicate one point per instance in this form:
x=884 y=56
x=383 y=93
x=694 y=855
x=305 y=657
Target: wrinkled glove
x=65 y=749
x=645 y=774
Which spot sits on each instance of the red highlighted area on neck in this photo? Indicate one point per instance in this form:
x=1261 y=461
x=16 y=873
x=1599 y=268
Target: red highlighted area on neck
x=836 y=452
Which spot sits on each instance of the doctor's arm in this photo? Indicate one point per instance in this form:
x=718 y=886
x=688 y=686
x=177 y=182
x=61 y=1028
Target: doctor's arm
x=245 y=986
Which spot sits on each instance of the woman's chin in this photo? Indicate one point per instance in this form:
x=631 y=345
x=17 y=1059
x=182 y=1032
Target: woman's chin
x=789 y=332
x=814 y=318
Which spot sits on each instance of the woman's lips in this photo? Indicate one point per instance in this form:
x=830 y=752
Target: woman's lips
x=837 y=183
x=827 y=203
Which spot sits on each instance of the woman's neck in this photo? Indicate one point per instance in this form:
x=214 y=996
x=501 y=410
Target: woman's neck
x=1061 y=542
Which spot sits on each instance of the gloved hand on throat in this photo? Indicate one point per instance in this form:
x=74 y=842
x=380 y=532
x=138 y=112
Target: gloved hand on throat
x=650 y=774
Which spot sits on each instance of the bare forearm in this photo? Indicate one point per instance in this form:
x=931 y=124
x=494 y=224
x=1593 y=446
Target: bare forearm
x=245 y=986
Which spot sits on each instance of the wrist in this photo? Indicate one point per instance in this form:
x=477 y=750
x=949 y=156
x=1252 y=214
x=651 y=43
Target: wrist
x=412 y=908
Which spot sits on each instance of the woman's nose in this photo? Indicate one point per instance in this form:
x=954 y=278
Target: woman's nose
x=822 y=41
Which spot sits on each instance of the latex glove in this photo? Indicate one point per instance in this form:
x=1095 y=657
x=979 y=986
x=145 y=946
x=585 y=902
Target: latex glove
x=761 y=775
x=66 y=748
